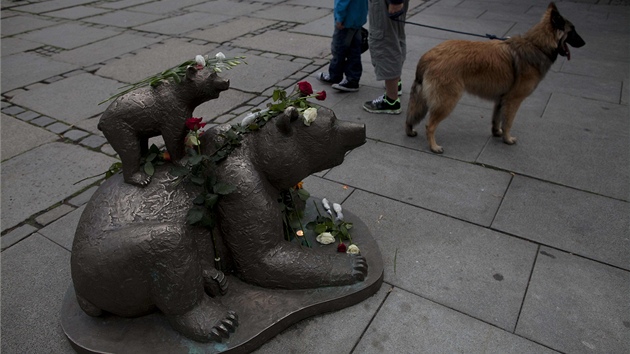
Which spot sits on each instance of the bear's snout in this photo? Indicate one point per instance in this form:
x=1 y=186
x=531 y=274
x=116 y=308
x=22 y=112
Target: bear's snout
x=351 y=134
x=222 y=84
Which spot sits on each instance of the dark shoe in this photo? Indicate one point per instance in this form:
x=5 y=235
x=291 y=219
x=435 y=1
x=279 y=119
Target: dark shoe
x=399 y=87
x=345 y=85
x=324 y=77
x=383 y=105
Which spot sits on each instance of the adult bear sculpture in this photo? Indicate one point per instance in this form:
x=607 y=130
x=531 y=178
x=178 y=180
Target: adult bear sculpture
x=133 y=251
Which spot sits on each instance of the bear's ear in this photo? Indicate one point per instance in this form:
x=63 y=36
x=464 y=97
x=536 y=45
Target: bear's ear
x=191 y=71
x=284 y=119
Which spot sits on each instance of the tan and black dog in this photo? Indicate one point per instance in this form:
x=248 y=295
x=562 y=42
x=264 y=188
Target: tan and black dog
x=505 y=72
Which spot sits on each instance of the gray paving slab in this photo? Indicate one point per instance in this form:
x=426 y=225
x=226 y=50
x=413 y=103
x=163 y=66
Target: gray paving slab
x=163 y=6
x=14 y=45
x=227 y=31
x=62 y=230
x=32 y=294
x=19 y=24
x=266 y=71
x=471 y=25
x=16 y=235
x=89 y=125
x=68 y=35
x=122 y=4
x=124 y=18
x=153 y=60
x=336 y=332
x=182 y=24
x=297 y=44
x=410 y=324
x=465 y=267
x=53 y=214
x=321 y=188
x=42 y=121
x=19 y=137
x=575 y=305
x=75 y=134
x=57 y=168
x=47 y=6
x=93 y=141
x=602 y=44
x=83 y=197
x=289 y=13
x=229 y=8
x=567 y=219
x=106 y=49
x=460 y=189
x=321 y=3
x=38 y=68
x=571 y=145
x=226 y=102
x=77 y=97
x=594 y=88
x=77 y=12
x=324 y=27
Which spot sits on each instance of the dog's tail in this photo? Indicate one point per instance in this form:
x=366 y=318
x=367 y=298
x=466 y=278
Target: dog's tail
x=417 y=106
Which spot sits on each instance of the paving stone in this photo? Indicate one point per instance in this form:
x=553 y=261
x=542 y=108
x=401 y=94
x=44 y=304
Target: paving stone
x=47 y=6
x=122 y=4
x=19 y=24
x=68 y=35
x=459 y=265
x=184 y=23
x=13 y=45
x=296 y=44
x=80 y=95
x=290 y=13
x=38 y=68
x=554 y=215
x=230 y=8
x=575 y=305
x=224 y=32
x=148 y=62
x=42 y=121
x=108 y=149
x=62 y=231
x=32 y=294
x=17 y=235
x=13 y=110
x=593 y=88
x=93 y=141
x=407 y=323
x=164 y=6
x=268 y=73
x=35 y=86
x=53 y=214
x=571 y=146
x=227 y=101
x=77 y=12
x=61 y=166
x=454 y=188
x=19 y=137
x=106 y=49
x=58 y=128
x=322 y=4
x=470 y=25
x=82 y=198
x=336 y=332
x=123 y=18
x=321 y=188
x=75 y=134
x=324 y=27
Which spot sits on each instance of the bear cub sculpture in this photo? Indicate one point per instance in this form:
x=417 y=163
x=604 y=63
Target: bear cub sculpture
x=133 y=251
x=134 y=117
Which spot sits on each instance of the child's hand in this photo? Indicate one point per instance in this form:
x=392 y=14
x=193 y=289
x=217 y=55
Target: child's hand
x=339 y=25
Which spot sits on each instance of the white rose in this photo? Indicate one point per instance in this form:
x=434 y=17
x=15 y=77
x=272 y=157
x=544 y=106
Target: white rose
x=325 y=238
x=220 y=56
x=309 y=115
x=353 y=249
x=200 y=61
x=249 y=119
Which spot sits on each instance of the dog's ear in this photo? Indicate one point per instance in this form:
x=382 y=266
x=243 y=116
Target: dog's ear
x=557 y=21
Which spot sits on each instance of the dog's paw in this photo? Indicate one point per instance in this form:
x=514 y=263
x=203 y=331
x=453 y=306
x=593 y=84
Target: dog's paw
x=437 y=149
x=497 y=132
x=410 y=131
x=510 y=140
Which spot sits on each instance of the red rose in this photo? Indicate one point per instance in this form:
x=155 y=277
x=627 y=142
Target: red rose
x=193 y=123
x=341 y=248
x=321 y=95
x=305 y=88
x=166 y=156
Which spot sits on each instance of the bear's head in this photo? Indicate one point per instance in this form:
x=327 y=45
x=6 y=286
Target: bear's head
x=288 y=151
x=205 y=83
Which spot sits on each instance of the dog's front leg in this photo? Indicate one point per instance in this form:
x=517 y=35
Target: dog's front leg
x=509 y=108
x=496 y=118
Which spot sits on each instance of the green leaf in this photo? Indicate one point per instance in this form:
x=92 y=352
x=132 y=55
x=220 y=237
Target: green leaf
x=303 y=194
x=194 y=215
x=211 y=200
x=199 y=200
x=223 y=188
x=148 y=168
x=320 y=228
x=197 y=180
x=195 y=159
x=151 y=157
x=179 y=171
x=154 y=149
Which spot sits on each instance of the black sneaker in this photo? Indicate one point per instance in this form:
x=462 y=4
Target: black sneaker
x=399 y=87
x=383 y=105
x=348 y=86
x=324 y=77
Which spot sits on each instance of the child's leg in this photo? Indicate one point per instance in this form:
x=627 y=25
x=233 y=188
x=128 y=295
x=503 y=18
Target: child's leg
x=338 y=49
x=354 y=68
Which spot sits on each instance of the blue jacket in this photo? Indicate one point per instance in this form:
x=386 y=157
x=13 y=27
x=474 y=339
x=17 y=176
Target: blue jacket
x=351 y=13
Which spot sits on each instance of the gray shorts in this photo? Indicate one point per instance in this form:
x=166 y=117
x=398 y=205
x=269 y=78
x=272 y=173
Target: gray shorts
x=388 y=48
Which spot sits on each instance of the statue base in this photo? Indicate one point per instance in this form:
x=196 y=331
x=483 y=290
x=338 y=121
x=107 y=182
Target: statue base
x=263 y=313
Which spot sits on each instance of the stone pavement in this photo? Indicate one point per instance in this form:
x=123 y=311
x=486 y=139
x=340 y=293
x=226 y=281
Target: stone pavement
x=487 y=248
